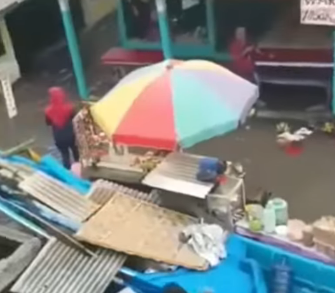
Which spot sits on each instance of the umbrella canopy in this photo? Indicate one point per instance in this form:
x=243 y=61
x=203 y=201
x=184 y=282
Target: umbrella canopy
x=174 y=104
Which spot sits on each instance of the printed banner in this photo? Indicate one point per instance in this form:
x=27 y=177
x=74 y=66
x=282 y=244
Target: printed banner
x=9 y=97
x=317 y=12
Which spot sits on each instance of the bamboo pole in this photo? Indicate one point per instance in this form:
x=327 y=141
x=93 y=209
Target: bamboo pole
x=18 y=148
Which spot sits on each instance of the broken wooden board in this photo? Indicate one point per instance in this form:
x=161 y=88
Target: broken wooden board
x=136 y=227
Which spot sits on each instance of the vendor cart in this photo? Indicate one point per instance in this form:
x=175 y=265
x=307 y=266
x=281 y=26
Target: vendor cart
x=172 y=176
x=175 y=180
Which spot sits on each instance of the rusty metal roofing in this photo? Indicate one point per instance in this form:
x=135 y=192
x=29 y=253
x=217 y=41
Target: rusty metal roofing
x=58 y=196
x=177 y=173
x=62 y=269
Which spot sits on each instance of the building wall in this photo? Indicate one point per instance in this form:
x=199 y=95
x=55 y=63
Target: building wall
x=95 y=10
x=8 y=62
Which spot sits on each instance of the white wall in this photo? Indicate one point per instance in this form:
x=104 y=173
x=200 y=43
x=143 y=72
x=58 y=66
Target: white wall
x=95 y=10
x=8 y=62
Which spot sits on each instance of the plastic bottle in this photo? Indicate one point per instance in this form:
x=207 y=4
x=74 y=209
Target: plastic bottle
x=282 y=278
x=269 y=219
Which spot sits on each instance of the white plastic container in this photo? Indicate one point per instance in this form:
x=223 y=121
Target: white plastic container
x=281 y=209
x=269 y=220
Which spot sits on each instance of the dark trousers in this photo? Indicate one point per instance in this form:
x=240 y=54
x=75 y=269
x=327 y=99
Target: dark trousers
x=65 y=151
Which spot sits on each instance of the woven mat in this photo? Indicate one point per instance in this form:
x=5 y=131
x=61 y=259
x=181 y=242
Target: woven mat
x=136 y=227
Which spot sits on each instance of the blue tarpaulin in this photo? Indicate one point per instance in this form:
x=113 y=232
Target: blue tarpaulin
x=235 y=274
x=53 y=168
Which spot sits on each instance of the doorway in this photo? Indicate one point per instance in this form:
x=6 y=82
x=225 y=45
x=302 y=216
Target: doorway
x=35 y=26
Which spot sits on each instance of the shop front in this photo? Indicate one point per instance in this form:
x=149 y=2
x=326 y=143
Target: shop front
x=204 y=29
x=291 y=54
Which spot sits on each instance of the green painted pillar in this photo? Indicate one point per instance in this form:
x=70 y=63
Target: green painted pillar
x=211 y=29
x=74 y=49
x=333 y=85
x=121 y=23
x=164 y=29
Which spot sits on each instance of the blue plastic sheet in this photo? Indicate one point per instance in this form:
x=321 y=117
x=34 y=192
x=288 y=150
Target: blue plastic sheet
x=235 y=274
x=53 y=168
x=15 y=215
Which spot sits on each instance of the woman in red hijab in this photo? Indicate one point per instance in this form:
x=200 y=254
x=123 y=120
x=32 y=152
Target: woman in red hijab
x=59 y=114
x=241 y=53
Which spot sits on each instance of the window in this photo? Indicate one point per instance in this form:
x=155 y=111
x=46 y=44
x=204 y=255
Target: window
x=141 y=20
x=187 y=21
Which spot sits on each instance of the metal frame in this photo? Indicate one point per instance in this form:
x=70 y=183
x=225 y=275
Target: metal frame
x=170 y=48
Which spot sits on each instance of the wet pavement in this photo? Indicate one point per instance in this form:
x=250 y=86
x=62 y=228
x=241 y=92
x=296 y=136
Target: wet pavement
x=53 y=68
x=306 y=182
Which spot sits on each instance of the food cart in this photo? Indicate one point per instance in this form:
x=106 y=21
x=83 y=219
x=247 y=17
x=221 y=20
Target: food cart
x=171 y=174
x=139 y=130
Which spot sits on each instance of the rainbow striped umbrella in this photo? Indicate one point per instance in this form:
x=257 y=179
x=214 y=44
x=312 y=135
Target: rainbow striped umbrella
x=174 y=104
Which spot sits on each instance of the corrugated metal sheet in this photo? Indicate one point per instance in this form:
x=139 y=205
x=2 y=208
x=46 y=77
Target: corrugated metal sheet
x=102 y=191
x=58 y=196
x=49 y=228
x=62 y=269
x=177 y=173
x=13 y=215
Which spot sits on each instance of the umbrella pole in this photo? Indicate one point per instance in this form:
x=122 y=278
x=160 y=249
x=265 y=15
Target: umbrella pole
x=164 y=29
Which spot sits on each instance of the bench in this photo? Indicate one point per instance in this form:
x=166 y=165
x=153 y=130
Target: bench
x=120 y=56
x=122 y=61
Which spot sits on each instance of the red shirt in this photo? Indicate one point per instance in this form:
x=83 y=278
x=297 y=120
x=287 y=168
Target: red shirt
x=243 y=64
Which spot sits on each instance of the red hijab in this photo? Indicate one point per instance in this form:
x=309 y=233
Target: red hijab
x=59 y=110
x=243 y=64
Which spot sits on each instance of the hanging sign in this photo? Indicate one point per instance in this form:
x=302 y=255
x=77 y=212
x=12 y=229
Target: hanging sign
x=186 y=4
x=9 y=97
x=161 y=6
x=317 y=12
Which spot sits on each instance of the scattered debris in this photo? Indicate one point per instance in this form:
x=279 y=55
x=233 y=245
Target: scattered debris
x=13 y=265
x=207 y=241
x=290 y=141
